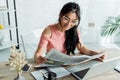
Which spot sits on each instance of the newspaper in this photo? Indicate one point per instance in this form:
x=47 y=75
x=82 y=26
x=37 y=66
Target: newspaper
x=57 y=58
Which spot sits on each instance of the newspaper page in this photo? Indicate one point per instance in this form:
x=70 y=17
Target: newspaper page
x=57 y=58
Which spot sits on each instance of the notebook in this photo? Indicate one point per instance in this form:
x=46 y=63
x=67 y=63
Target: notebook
x=60 y=72
x=117 y=68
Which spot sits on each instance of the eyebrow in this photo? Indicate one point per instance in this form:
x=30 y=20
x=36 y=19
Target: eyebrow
x=69 y=18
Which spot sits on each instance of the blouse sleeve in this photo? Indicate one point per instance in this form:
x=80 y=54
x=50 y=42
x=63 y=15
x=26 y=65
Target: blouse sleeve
x=43 y=41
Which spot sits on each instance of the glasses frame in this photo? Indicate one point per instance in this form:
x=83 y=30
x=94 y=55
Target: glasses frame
x=66 y=19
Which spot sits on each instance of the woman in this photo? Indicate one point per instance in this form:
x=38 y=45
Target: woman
x=63 y=35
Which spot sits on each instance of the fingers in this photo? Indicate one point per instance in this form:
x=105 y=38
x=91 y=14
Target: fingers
x=104 y=54
x=41 y=60
x=102 y=58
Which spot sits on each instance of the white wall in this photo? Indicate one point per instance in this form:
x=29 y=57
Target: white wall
x=34 y=14
x=96 y=11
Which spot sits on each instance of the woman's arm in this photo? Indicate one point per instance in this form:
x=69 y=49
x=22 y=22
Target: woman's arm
x=38 y=57
x=86 y=51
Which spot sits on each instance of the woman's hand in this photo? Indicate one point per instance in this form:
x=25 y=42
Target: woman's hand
x=40 y=59
x=101 y=58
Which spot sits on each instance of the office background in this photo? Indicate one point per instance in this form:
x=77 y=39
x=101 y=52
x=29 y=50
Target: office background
x=35 y=15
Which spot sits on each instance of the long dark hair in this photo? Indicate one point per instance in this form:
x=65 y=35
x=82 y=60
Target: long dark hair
x=71 y=34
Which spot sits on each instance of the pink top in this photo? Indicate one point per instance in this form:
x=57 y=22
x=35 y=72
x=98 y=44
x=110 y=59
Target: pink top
x=56 y=40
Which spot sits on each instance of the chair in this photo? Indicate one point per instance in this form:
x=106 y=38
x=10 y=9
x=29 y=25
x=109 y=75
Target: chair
x=30 y=42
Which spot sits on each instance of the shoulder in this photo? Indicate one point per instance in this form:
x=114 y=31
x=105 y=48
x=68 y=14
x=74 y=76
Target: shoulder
x=47 y=32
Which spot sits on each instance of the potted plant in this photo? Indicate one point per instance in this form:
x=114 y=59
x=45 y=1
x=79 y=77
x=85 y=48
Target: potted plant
x=111 y=26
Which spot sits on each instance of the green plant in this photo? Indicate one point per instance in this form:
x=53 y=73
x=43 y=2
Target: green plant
x=112 y=25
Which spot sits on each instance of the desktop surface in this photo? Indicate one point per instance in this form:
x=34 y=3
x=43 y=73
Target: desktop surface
x=7 y=74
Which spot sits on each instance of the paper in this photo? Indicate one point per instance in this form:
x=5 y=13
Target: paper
x=58 y=58
x=60 y=72
x=37 y=75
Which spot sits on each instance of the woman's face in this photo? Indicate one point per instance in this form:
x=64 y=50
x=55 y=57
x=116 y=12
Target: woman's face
x=69 y=20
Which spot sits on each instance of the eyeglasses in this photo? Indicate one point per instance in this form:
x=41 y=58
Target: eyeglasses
x=67 y=20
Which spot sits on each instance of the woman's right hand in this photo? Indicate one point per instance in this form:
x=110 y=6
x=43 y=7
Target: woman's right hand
x=40 y=59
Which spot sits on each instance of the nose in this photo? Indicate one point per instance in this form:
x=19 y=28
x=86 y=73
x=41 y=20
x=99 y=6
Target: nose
x=69 y=24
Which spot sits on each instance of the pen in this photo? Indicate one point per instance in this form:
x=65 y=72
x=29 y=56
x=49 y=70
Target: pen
x=43 y=74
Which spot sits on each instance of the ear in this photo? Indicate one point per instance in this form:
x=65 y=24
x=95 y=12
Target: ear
x=60 y=18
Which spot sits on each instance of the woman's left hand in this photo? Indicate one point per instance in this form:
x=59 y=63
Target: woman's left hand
x=101 y=58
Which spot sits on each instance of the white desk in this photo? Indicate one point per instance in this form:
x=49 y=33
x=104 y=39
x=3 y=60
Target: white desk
x=6 y=74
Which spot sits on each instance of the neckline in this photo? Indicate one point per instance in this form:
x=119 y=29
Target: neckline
x=57 y=27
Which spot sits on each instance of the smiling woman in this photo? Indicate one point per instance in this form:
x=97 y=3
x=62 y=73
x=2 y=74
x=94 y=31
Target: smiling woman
x=63 y=35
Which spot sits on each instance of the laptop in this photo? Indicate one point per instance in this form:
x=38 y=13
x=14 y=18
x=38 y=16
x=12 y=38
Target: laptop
x=93 y=68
